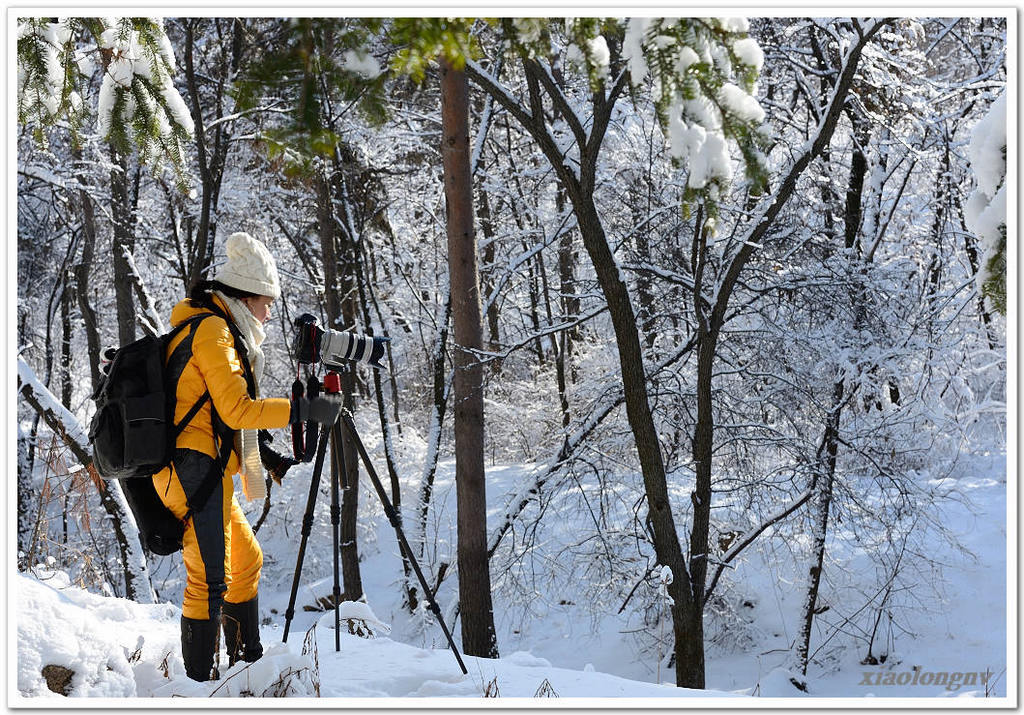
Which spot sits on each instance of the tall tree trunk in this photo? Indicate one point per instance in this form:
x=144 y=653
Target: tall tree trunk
x=478 y=633
x=122 y=212
x=335 y=318
x=821 y=500
x=487 y=279
x=687 y=629
x=569 y=302
x=82 y=270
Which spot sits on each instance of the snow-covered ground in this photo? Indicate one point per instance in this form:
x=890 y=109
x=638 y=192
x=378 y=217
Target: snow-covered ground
x=118 y=648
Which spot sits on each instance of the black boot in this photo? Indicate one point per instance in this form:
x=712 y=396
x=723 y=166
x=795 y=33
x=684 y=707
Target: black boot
x=242 y=631
x=198 y=645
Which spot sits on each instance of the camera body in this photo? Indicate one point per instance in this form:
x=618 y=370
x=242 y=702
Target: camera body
x=335 y=347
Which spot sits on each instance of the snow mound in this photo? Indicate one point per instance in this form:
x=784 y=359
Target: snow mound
x=781 y=683
x=280 y=673
x=62 y=632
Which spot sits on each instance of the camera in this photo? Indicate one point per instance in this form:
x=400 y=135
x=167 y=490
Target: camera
x=334 y=347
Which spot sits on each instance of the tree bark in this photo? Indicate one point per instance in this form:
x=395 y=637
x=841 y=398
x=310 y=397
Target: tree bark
x=478 y=633
x=122 y=210
x=82 y=271
x=335 y=310
x=822 y=501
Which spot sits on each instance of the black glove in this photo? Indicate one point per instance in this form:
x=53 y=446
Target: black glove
x=323 y=409
x=277 y=464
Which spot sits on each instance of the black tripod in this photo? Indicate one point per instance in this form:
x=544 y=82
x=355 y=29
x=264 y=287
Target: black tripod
x=339 y=480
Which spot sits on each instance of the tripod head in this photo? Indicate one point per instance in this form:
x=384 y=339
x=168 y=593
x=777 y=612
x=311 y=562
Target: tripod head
x=305 y=437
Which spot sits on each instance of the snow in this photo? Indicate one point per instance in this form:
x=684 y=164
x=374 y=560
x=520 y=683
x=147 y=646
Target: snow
x=736 y=24
x=47 y=94
x=177 y=107
x=74 y=429
x=122 y=649
x=574 y=56
x=361 y=63
x=130 y=60
x=705 y=152
x=741 y=104
x=118 y=649
x=985 y=209
x=749 y=52
x=985 y=216
x=109 y=38
x=632 y=48
x=599 y=53
x=987 y=148
x=687 y=57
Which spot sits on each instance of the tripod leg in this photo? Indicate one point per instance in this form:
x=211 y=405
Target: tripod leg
x=337 y=472
x=403 y=543
x=307 y=526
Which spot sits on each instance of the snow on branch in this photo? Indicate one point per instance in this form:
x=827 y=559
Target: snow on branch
x=775 y=201
x=150 y=318
x=539 y=477
x=750 y=536
x=66 y=426
x=57 y=417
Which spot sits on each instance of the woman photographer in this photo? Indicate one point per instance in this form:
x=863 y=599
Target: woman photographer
x=226 y=436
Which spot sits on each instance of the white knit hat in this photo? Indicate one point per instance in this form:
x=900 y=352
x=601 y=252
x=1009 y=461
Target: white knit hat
x=249 y=267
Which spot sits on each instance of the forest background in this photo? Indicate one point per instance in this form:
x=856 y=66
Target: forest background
x=727 y=289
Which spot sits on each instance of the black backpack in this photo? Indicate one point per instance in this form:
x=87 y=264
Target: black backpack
x=133 y=433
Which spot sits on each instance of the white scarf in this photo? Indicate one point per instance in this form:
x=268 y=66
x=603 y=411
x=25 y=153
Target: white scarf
x=254 y=484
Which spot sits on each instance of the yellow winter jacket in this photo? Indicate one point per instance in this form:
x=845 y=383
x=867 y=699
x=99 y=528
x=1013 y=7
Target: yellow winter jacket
x=216 y=366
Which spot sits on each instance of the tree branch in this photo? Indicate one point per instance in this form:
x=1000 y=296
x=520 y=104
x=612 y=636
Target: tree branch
x=822 y=136
x=748 y=538
x=542 y=74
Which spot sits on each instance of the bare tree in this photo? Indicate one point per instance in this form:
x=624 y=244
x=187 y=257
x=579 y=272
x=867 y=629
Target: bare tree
x=478 y=634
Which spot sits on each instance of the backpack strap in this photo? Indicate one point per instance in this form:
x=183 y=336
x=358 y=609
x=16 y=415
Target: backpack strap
x=224 y=433
x=176 y=365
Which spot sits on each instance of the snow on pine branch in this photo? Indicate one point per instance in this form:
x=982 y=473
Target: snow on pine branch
x=704 y=73
x=985 y=210
x=138 y=103
x=44 y=89
x=138 y=93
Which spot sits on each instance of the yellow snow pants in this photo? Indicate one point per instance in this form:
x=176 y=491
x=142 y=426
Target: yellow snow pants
x=222 y=557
